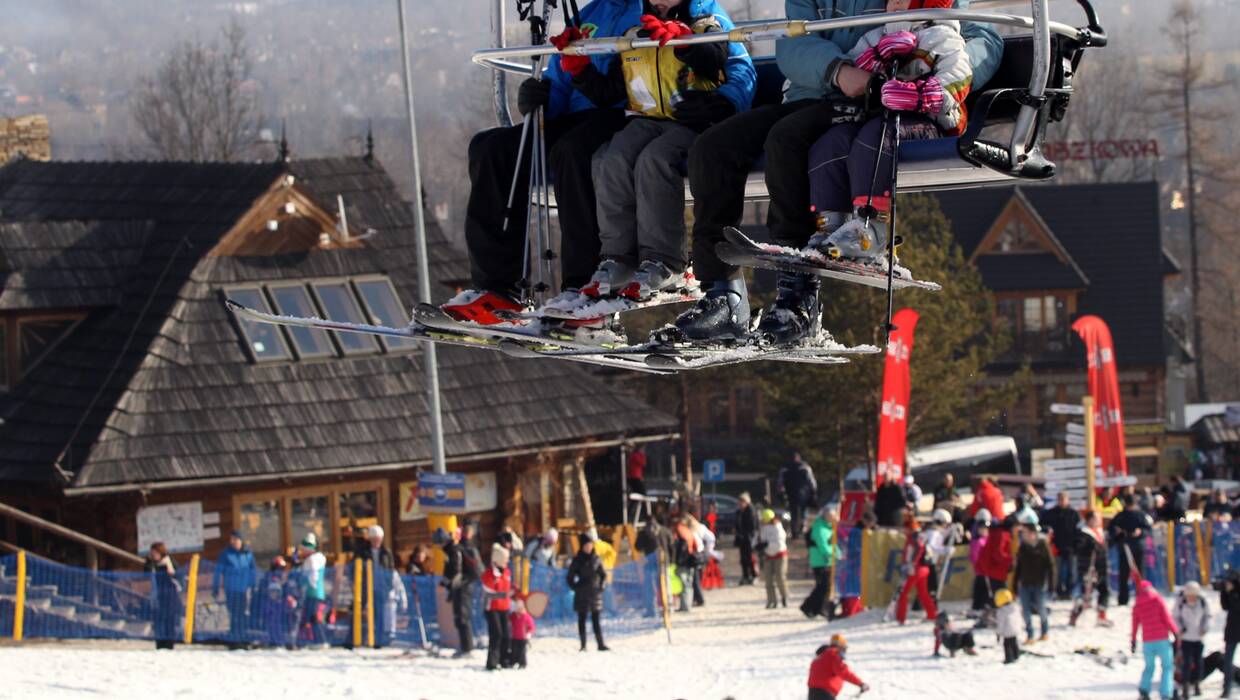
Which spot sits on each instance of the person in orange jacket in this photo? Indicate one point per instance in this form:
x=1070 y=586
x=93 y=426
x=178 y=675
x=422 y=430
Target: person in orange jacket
x=828 y=672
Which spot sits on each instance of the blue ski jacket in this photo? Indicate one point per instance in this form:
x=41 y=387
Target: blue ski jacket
x=804 y=60
x=614 y=18
x=236 y=569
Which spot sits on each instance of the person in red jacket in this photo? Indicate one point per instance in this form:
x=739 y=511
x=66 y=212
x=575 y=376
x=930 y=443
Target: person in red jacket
x=987 y=495
x=496 y=592
x=917 y=574
x=828 y=671
x=995 y=561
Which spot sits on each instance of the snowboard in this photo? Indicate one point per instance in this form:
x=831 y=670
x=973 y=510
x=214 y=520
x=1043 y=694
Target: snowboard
x=664 y=351
x=417 y=331
x=739 y=249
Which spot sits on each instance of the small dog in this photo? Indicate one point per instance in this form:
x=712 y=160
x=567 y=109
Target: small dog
x=952 y=640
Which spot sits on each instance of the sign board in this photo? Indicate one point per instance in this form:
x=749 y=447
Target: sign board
x=481 y=492
x=1070 y=463
x=1075 y=450
x=1065 y=484
x=1116 y=481
x=1038 y=457
x=409 y=507
x=712 y=471
x=1067 y=409
x=1075 y=428
x=441 y=493
x=1073 y=439
x=177 y=525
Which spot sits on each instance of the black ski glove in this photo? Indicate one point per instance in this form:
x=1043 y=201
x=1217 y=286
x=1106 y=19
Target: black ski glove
x=706 y=60
x=532 y=94
x=699 y=109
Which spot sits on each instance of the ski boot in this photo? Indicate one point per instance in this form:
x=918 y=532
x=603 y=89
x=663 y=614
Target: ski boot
x=828 y=223
x=722 y=315
x=600 y=330
x=653 y=277
x=861 y=239
x=480 y=305
x=795 y=315
x=611 y=277
x=1102 y=619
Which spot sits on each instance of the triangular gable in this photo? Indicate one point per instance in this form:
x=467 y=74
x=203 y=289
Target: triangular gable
x=284 y=219
x=1019 y=229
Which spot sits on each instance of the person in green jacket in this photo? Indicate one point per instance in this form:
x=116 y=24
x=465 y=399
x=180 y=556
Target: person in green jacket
x=823 y=553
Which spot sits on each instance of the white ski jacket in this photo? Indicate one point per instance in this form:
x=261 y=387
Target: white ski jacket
x=1193 y=620
x=940 y=52
x=1007 y=620
x=776 y=540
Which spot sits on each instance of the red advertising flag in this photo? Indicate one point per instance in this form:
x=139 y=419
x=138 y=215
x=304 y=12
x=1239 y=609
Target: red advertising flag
x=893 y=418
x=1104 y=387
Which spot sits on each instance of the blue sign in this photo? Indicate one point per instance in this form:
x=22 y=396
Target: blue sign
x=441 y=492
x=712 y=470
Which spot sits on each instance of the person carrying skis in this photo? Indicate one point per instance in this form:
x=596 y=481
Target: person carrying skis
x=817 y=67
x=1035 y=577
x=460 y=576
x=1192 y=616
x=828 y=672
x=1151 y=617
x=1091 y=560
x=1007 y=625
x=575 y=129
x=587 y=578
x=823 y=552
x=672 y=94
x=1127 y=532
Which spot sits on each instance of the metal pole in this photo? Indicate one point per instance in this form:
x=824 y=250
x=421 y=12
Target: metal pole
x=624 y=485
x=419 y=236
x=499 y=80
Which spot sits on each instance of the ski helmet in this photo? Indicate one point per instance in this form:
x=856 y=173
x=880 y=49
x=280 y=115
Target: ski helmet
x=1002 y=597
x=837 y=640
x=941 y=516
x=1028 y=518
x=984 y=517
x=768 y=515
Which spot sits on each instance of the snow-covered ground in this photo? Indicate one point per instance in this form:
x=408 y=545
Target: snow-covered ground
x=731 y=648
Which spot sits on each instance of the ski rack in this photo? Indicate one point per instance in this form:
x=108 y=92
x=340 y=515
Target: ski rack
x=1021 y=157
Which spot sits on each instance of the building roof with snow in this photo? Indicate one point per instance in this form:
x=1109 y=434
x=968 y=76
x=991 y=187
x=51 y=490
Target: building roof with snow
x=123 y=367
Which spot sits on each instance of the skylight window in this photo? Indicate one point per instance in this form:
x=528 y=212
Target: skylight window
x=379 y=298
x=338 y=304
x=265 y=342
x=294 y=300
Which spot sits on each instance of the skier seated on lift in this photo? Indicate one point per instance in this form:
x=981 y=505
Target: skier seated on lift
x=671 y=94
x=821 y=77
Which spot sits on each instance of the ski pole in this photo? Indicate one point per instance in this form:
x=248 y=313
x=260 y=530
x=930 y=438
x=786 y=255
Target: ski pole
x=891 y=223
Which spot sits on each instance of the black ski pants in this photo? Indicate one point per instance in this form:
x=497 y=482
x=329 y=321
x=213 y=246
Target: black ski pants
x=820 y=694
x=463 y=615
x=748 y=574
x=816 y=602
x=496 y=253
x=720 y=161
x=1191 y=670
x=518 y=657
x=499 y=639
x=581 y=627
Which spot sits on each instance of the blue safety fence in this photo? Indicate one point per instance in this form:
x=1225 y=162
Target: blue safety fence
x=279 y=608
x=848 y=572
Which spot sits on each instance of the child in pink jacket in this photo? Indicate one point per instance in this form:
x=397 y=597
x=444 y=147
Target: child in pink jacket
x=522 y=630
x=1151 y=616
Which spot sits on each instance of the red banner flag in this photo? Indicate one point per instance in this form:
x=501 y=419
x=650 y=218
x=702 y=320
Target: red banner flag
x=893 y=419
x=1104 y=387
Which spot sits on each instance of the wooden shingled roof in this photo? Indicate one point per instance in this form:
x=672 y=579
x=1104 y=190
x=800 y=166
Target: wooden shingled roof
x=157 y=386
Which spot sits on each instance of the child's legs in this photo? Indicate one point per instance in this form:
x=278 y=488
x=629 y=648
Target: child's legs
x=660 y=186
x=518 y=652
x=829 y=188
x=615 y=190
x=1192 y=652
x=861 y=160
x=1011 y=651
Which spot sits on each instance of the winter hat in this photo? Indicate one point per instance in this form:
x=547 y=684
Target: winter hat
x=375 y=531
x=1002 y=597
x=310 y=541
x=551 y=536
x=583 y=538
x=277 y=562
x=1192 y=588
x=237 y=534
x=440 y=537
x=499 y=556
x=744 y=497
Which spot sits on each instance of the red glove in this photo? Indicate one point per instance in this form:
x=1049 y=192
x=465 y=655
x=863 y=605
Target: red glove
x=896 y=44
x=925 y=96
x=869 y=61
x=932 y=95
x=664 y=31
x=573 y=65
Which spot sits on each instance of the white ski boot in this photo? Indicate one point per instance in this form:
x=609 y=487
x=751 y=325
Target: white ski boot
x=860 y=240
x=611 y=277
x=652 y=278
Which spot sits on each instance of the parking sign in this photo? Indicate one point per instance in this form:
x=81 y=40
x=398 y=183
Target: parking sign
x=712 y=470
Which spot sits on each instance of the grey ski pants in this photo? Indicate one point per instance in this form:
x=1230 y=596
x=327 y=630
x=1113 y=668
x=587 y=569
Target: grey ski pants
x=640 y=190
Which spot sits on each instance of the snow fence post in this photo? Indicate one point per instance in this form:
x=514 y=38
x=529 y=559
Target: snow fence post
x=667 y=618
x=1203 y=557
x=19 y=609
x=370 y=602
x=1170 y=530
x=357 y=603
x=191 y=597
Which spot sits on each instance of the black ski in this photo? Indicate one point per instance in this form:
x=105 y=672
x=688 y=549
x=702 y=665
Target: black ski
x=742 y=250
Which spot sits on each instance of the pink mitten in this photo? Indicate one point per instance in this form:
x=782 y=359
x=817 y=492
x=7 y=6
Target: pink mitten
x=901 y=95
x=932 y=96
x=896 y=44
x=869 y=61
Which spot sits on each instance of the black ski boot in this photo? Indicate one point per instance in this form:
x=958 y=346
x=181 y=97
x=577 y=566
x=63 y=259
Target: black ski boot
x=795 y=315
x=722 y=315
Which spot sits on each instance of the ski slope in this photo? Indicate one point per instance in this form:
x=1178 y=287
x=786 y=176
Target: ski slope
x=731 y=648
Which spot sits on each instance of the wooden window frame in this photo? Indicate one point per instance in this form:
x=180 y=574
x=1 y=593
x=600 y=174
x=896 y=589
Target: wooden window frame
x=334 y=349
x=354 y=282
x=332 y=491
x=314 y=284
x=239 y=325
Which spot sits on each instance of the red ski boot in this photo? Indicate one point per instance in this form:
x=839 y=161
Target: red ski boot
x=480 y=306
